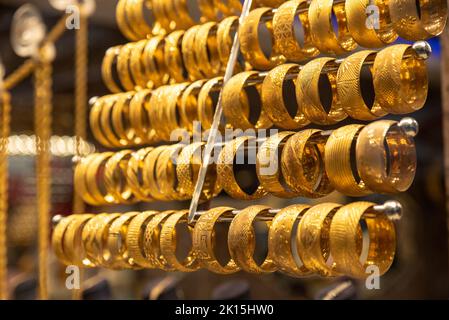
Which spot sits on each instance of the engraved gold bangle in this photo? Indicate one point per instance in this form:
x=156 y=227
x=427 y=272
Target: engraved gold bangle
x=149 y=173
x=72 y=242
x=369 y=22
x=93 y=176
x=283 y=252
x=350 y=89
x=225 y=169
x=58 y=238
x=134 y=174
x=312 y=239
x=284 y=31
x=386 y=157
x=106 y=69
x=418 y=20
x=303 y=165
x=173 y=56
x=168 y=244
x=135 y=236
x=122 y=21
x=206 y=51
x=225 y=38
x=188 y=54
x=166 y=173
x=101 y=237
x=273 y=102
x=400 y=82
x=308 y=93
x=236 y=103
x=242 y=243
x=339 y=159
x=115 y=177
x=345 y=237
x=203 y=240
x=321 y=27
x=268 y=165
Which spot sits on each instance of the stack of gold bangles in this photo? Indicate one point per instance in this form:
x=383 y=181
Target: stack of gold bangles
x=309 y=163
x=147 y=116
x=328 y=240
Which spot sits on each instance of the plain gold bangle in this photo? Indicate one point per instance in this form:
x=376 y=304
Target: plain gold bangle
x=189 y=104
x=122 y=21
x=206 y=51
x=93 y=176
x=188 y=54
x=95 y=125
x=134 y=174
x=115 y=177
x=206 y=103
x=149 y=176
x=173 y=56
x=106 y=69
x=72 y=242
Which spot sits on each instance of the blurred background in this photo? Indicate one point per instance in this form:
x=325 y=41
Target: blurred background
x=420 y=270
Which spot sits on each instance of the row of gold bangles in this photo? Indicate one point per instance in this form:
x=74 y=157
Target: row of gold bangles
x=355 y=160
x=326 y=239
x=203 y=50
x=399 y=86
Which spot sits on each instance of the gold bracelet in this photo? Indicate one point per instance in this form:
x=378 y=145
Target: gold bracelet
x=418 y=20
x=166 y=173
x=101 y=195
x=122 y=21
x=188 y=54
x=134 y=238
x=229 y=7
x=203 y=240
x=106 y=125
x=154 y=64
x=236 y=103
x=134 y=12
x=180 y=11
x=101 y=237
x=115 y=177
x=206 y=103
x=273 y=98
x=208 y=10
x=149 y=173
x=160 y=15
x=249 y=41
x=303 y=166
x=370 y=28
x=400 y=79
x=350 y=90
x=106 y=69
x=168 y=244
x=80 y=183
x=58 y=238
x=386 y=157
x=321 y=27
x=139 y=118
x=189 y=104
x=134 y=174
x=72 y=242
x=280 y=241
x=312 y=239
x=123 y=67
x=225 y=169
x=173 y=56
x=136 y=67
x=346 y=240
x=284 y=31
x=206 y=51
x=308 y=93
x=268 y=165
x=225 y=38
x=241 y=241
x=120 y=120
x=94 y=121
x=338 y=161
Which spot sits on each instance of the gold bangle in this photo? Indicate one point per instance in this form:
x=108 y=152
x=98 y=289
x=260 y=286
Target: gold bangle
x=134 y=238
x=280 y=244
x=106 y=69
x=225 y=39
x=120 y=120
x=338 y=161
x=241 y=241
x=203 y=240
x=80 y=183
x=312 y=239
x=206 y=51
x=153 y=62
x=418 y=21
x=149 y=173
x=116 y=243
x=160 y=15
x=207 y=103
x=225 y=170
x=188 y=54
x=322 y=31
x=58 y=238
x=134 y=11
x=136 y=67
x=366 y=31
x=139 y=118
x=168 y=244
x=273 y=98
x=284 y=31
x=350 y=90
x=249 y=41
x=189 y=104
x=236 y=104
x=106 y=125
x=303 y=166
x=208 y=10
x=72 y=242
x=166 y=173
x=229 y=7
x=94 y=121
x=123 y=67
x=115 y=177
x=346 y=240
x=134 y=174
x=122 y=21
x=385 y=157
x=101 y=237
x=268 y=166
x=308 y=93
x=101 y=195
x=173 y=56
x=400 y=79
x=181 y=14
x=152 y=243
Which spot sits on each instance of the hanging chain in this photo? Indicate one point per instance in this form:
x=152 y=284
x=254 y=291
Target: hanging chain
x=5 y=116
x=43 y=122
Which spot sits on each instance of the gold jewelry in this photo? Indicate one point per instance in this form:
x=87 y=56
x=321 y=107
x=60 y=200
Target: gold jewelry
x=225 y=38
x=241 y=241
x=322 y=31
x=94 y=121
x=166 y=173
x=168 y=244
x=101 y=237
x=72 y=242
x=400 y=79
x=273 y=98
x=139 y=118
x=189 y=104
x=225 y=169
x=236 y=104
x=206 y=51
x=106 y=68
x=123 y=67
x=154 y=64
x=135 y=63
x=268 y=165
x=101 y=195
x=115 y=177
x=280 y=244
x=204 y=241
x=206 y=103
x=229 y=7
x=134 y=12
x=346 y=236
x=122 y=21
x=80 y=183
x=106 y=126
x=284 y=31
x=120 y=120
x=386 y=157
x=58 y=238
x=418 y=20
x=160 y=15
x=173 y=56
x=134 y=174
x=308 y=93
x=312 y=239
x=149 y=173
x=188 y=54
x=338 y=161
x=208 y=10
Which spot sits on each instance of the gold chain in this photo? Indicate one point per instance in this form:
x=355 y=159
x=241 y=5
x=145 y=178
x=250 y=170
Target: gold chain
x=5 y=116
x=43 y=122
